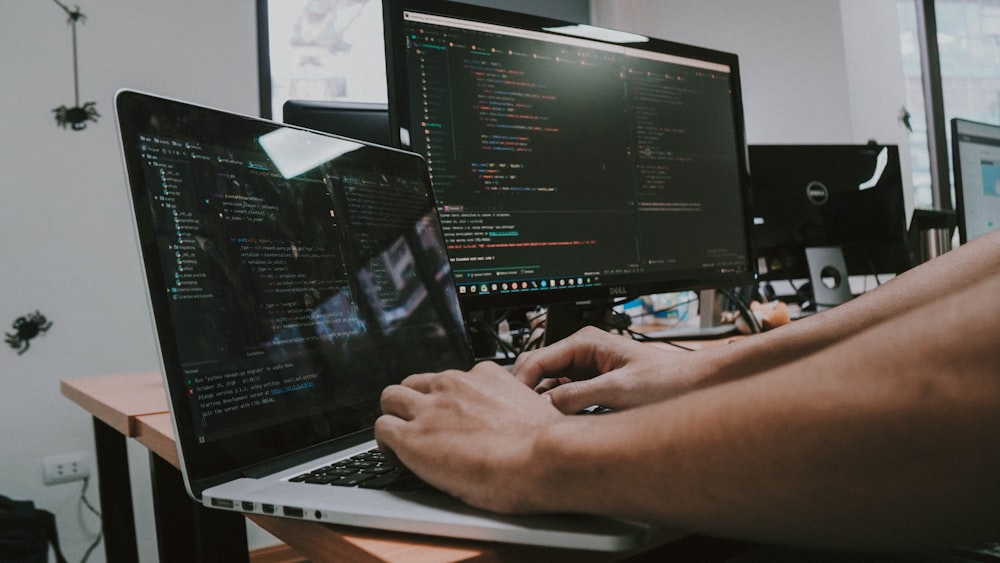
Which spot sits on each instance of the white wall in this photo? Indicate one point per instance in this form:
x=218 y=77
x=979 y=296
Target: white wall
x=66 y=243
x=812 y=72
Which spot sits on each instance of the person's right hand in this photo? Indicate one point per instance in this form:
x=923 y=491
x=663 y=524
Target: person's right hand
x=593 y=367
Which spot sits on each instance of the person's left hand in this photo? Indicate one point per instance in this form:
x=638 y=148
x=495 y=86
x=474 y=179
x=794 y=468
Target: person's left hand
x=471 y=434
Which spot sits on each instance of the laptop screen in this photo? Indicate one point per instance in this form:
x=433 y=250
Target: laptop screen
x=292 y=276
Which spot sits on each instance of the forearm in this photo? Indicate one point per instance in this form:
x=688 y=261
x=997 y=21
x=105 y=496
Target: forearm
x=865 y=443
x=949 y=273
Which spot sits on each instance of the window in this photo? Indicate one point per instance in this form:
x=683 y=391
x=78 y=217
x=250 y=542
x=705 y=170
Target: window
x=968 y=40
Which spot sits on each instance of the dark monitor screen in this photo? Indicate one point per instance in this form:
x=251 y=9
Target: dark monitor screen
x=849 y=196
x=358 y=120
x=976 y=160
x=568 y=168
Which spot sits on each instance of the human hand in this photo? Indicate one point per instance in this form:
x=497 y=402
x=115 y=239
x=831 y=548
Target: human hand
x=594 y=367
x=471 y=434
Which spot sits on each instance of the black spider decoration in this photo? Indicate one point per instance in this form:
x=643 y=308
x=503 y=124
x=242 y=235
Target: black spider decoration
x=27 y=327
x=77 y=116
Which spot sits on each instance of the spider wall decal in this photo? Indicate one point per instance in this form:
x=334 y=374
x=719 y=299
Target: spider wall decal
x=26 y=328
x=75 y=117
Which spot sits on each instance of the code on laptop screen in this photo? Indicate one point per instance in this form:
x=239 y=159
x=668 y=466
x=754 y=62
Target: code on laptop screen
x=302 y=276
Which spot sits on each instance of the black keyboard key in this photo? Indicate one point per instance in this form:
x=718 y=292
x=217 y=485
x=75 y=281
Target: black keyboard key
x=384 y=480
x=321 y=479
x=407 y=483
x=352 y=480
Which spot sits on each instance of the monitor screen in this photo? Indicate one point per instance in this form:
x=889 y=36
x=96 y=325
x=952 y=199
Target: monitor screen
x=976 y=160
x=847 y=196
x=570 y=168
x=358 y=120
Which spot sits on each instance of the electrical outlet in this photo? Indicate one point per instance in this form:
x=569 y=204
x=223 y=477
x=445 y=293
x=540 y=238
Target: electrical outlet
x=65 y=468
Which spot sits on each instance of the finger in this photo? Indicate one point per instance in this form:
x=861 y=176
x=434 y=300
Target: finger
x=575 y=396
x=401 y=401
x=550 y=383
x=530 y=368
x=388 y=432
x=579 y=356
x=419 y=381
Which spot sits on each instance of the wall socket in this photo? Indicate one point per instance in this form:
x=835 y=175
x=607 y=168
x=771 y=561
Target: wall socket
x=65 y=468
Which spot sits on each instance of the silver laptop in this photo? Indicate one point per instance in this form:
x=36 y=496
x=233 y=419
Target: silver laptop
x=292 y=275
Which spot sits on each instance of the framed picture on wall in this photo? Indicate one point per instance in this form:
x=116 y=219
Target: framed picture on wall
x=321 y=50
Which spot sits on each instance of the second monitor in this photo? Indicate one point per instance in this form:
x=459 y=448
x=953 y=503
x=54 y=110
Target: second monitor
x=820 y=196
x=976 y=163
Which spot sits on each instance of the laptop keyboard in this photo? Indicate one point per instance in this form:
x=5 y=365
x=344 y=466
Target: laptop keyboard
x=367 y=470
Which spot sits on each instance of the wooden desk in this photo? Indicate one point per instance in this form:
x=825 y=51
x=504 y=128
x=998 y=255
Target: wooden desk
x=134 y=406
x=114 y=402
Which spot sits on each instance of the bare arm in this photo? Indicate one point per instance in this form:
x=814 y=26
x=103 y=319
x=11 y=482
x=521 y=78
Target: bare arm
x=632 y=376
x=888 y=438
x=885 y=439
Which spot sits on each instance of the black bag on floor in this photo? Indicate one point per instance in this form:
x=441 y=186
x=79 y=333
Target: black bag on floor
x=26 y=533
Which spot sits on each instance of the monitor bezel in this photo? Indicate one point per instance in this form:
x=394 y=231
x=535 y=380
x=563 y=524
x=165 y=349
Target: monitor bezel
x=956 y=158
x=635 y=285
x=364 y=121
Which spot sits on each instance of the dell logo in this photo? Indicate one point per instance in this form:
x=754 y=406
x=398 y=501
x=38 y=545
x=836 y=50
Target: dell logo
x=617 y=291
x=817 y=193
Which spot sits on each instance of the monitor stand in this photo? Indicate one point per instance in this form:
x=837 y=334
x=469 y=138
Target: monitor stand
x=710 y=323
x=828 y=276
x=482 y=335
x=564 y=319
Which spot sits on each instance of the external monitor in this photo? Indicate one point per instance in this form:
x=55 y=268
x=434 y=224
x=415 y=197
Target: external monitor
x=571 y=163
x=357 y=120
x=848 y=197
x=975 y=153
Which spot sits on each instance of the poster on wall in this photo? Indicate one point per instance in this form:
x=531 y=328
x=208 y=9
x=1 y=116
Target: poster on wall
x=323 y=50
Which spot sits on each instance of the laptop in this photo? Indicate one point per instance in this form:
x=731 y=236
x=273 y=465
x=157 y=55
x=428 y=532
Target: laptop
x=292 y=275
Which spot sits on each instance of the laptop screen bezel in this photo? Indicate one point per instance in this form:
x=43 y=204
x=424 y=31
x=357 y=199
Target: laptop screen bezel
x=207 y=463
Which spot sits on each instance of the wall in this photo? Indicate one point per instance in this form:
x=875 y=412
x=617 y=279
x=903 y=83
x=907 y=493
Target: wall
x=809 y=93
x=66 y=244
x=812 y=72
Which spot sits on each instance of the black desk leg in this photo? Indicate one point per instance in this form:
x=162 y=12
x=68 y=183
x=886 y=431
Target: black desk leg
x=117 y=520
x=186 y=530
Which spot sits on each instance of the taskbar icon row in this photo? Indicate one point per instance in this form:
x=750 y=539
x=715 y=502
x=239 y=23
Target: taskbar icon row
x=487 y=288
